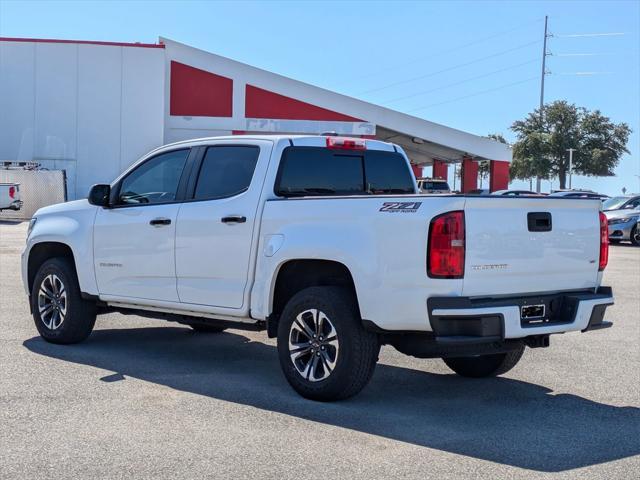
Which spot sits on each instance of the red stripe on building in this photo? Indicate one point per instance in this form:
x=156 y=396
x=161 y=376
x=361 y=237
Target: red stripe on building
x=83 y=42
x=261 y=103
x=198 y=93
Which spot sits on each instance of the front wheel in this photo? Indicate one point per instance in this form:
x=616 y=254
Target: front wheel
x=325 y=353
x=480 y=366
x=635 y=236
x=60 y=313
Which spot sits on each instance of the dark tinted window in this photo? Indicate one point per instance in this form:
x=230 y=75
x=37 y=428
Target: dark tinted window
x=387 y=172
x=321 y=171
x=226 y=171
x=155 y=181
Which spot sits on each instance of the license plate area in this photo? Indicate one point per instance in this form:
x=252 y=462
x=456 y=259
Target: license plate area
x=533 y=313
x=547 y=310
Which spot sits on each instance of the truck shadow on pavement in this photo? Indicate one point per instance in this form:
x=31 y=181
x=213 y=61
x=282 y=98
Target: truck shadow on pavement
x=499 y=419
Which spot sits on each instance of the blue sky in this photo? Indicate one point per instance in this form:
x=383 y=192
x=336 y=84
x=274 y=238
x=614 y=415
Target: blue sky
x=474 y=66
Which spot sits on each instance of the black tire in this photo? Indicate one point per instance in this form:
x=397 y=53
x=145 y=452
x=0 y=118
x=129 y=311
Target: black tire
x=485 y=365
x=202 y=328
x=80 y=314
x=356 y=353
x=614 y=241
x=634 y=237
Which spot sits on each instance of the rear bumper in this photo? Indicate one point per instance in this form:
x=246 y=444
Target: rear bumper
x=463 y=319
x=15 y=205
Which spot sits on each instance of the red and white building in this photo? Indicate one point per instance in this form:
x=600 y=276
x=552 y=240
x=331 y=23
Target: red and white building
x=92 y=108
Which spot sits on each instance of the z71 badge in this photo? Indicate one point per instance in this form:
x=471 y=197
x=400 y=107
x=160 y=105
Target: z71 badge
x=403 y=207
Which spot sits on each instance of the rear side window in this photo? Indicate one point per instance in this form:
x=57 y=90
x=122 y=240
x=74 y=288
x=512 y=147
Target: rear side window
x=226 y=171
x=321 y=171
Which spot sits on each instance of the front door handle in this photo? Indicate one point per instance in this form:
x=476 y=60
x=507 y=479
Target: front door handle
x=234 y=219
x=158 y=222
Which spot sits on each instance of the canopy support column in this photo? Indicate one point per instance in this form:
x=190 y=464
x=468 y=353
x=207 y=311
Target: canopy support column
x=498 y=175
x=469 y=175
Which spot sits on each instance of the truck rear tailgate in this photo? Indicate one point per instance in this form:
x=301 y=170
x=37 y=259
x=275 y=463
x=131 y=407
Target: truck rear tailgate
x=530 y=245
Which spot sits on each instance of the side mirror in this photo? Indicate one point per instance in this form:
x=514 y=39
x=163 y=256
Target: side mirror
x=99 y=195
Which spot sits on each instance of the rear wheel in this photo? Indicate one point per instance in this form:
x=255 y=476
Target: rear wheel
x=635 y=236
x=60 y=313
x=324 y=351
x=485 y=365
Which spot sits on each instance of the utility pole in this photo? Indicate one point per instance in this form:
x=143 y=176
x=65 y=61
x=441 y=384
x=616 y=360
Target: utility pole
x=570 y=150
x=544 y=65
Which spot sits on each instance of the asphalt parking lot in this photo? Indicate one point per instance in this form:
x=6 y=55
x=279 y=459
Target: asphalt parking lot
x=148 y=399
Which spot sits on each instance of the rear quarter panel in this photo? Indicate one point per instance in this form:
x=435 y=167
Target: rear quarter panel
x=385 y=251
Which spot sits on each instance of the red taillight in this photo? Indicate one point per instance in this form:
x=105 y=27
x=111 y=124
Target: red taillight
x=445 y=256
x=12 y=191
x=604 y=242
x=345 y=143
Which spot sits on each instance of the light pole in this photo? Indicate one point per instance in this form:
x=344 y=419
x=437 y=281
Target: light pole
x=570 y=150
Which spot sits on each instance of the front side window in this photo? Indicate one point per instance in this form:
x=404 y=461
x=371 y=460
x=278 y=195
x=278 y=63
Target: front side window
x=226 y=171
x=308 y=171
x=155 y=181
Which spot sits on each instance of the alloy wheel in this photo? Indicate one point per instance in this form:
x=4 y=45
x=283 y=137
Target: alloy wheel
x=52 y=302
x=313 y=345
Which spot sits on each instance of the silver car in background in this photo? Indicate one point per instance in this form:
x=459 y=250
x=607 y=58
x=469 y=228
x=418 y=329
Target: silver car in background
x=622 y=202
x=624 y=225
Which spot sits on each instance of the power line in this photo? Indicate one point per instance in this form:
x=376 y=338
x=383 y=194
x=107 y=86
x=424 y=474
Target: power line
x=581 y=73
x=450 y=50
x=576 y=35
x=431 y=74
x=579 y=54
x=501 y=87
x=470 y=79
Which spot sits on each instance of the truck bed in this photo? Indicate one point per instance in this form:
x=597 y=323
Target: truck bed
x=383 y=242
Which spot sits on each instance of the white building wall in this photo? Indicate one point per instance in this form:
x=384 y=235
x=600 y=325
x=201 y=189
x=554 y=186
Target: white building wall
x=89 y=109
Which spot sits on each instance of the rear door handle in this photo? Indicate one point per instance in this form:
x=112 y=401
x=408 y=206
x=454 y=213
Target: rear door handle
x=158 y=222
x=234 y=219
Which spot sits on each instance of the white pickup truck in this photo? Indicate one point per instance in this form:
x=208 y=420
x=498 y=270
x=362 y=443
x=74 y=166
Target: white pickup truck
x=10 y=196
x=325 y=244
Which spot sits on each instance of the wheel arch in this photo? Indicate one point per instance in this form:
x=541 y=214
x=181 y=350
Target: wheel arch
x=43 y=251
x=294 y=275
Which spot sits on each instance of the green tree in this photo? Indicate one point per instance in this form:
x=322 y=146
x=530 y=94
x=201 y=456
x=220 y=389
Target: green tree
x=543 y=141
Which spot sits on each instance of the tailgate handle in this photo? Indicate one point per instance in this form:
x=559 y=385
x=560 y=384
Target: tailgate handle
x=539 y=221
